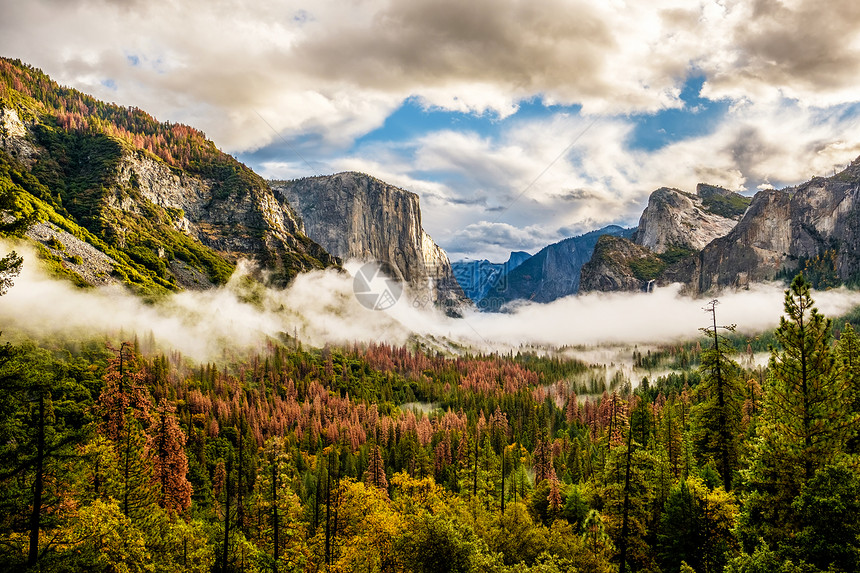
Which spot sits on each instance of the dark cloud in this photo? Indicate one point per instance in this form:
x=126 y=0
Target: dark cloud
x=552 y=46
x=804 y=47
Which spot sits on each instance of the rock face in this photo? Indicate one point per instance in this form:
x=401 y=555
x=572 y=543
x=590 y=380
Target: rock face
x=552 y=273
x=673 y=230
x=477 y=278
x=253 y=225
x=814 y=226
x=353 y=215
x=14 y=138
x=677 y=219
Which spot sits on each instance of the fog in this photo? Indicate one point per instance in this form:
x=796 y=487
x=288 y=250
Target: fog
x=321 y=308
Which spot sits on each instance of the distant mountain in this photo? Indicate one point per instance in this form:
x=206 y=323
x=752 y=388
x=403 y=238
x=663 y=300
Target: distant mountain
x=477 y=278
x=354 y=215
x=125 y=198
x=552 y=273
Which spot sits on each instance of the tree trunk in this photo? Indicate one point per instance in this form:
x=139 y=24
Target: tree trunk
x=226 y=518
x=275 y=517
x=35 y=517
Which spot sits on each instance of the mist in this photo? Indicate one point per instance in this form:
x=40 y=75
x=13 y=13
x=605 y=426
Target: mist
x=321 y=308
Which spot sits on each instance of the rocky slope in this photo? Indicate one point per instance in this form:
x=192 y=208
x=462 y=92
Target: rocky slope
x=619 y=265
x=477 y=278
x=814 y=227
x=354 y=215
x=161 y=203
x=552 y=273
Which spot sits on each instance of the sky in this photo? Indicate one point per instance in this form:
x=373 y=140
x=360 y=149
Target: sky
x=518 y=123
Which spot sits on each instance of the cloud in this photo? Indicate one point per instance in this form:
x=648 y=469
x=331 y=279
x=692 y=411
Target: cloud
x=220 y=324
x=339 y=69
x=793 y=49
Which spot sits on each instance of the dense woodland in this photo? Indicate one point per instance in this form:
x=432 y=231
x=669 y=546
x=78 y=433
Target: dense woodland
x=118 y=457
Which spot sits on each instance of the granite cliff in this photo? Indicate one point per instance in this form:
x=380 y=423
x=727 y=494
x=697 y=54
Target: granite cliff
x=813 y=227
x=674 y=219
x=356 y=216
x=672 y=231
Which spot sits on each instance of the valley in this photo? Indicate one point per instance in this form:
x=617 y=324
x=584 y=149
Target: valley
x=191 y=381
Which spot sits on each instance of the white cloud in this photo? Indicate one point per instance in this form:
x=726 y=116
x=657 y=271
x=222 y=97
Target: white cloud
x=321 y=307
x=338 y=69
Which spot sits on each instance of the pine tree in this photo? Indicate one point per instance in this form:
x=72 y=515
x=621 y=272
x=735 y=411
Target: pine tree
x=848 y=362
x=717 y=417
x=803 y=423
x=375 y=474
x=169 y=463
x=124 y=406
x=39 y=426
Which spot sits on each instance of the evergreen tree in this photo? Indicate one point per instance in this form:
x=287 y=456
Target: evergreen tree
x=717 y=416
x=848 y=362
x=169 y=463
x=41 y=420
x=803 y=424
x=375 y=474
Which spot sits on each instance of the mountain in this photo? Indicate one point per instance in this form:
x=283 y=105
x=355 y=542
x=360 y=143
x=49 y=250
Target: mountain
x=160 y=204
x=354 y=215
x=813 y=227
x=476 y=278
x=672 y=231
x=552 y=273
x=677 y=220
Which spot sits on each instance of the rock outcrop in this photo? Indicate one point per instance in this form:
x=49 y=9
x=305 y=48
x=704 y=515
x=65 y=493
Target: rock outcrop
x=172 y=225
x=674 y=219
x=552 y=273
x=253 y=225
x=356 y=216
x=14 y=137
x=619 y=265
x=673 y=230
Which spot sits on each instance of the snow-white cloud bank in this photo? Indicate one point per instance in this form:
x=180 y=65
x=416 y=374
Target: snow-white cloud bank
x=322 y=308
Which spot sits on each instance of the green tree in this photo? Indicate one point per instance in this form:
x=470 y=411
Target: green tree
x=848 y=363
x=804 y=423
x=10 y=265
x=696 y=527
x=828 y=509
x=716 y=419
x=42 y=415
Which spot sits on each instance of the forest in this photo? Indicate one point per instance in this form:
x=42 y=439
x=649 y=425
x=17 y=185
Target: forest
x=121 y=456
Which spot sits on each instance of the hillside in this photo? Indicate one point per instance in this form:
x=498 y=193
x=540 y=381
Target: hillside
x=165 y=207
